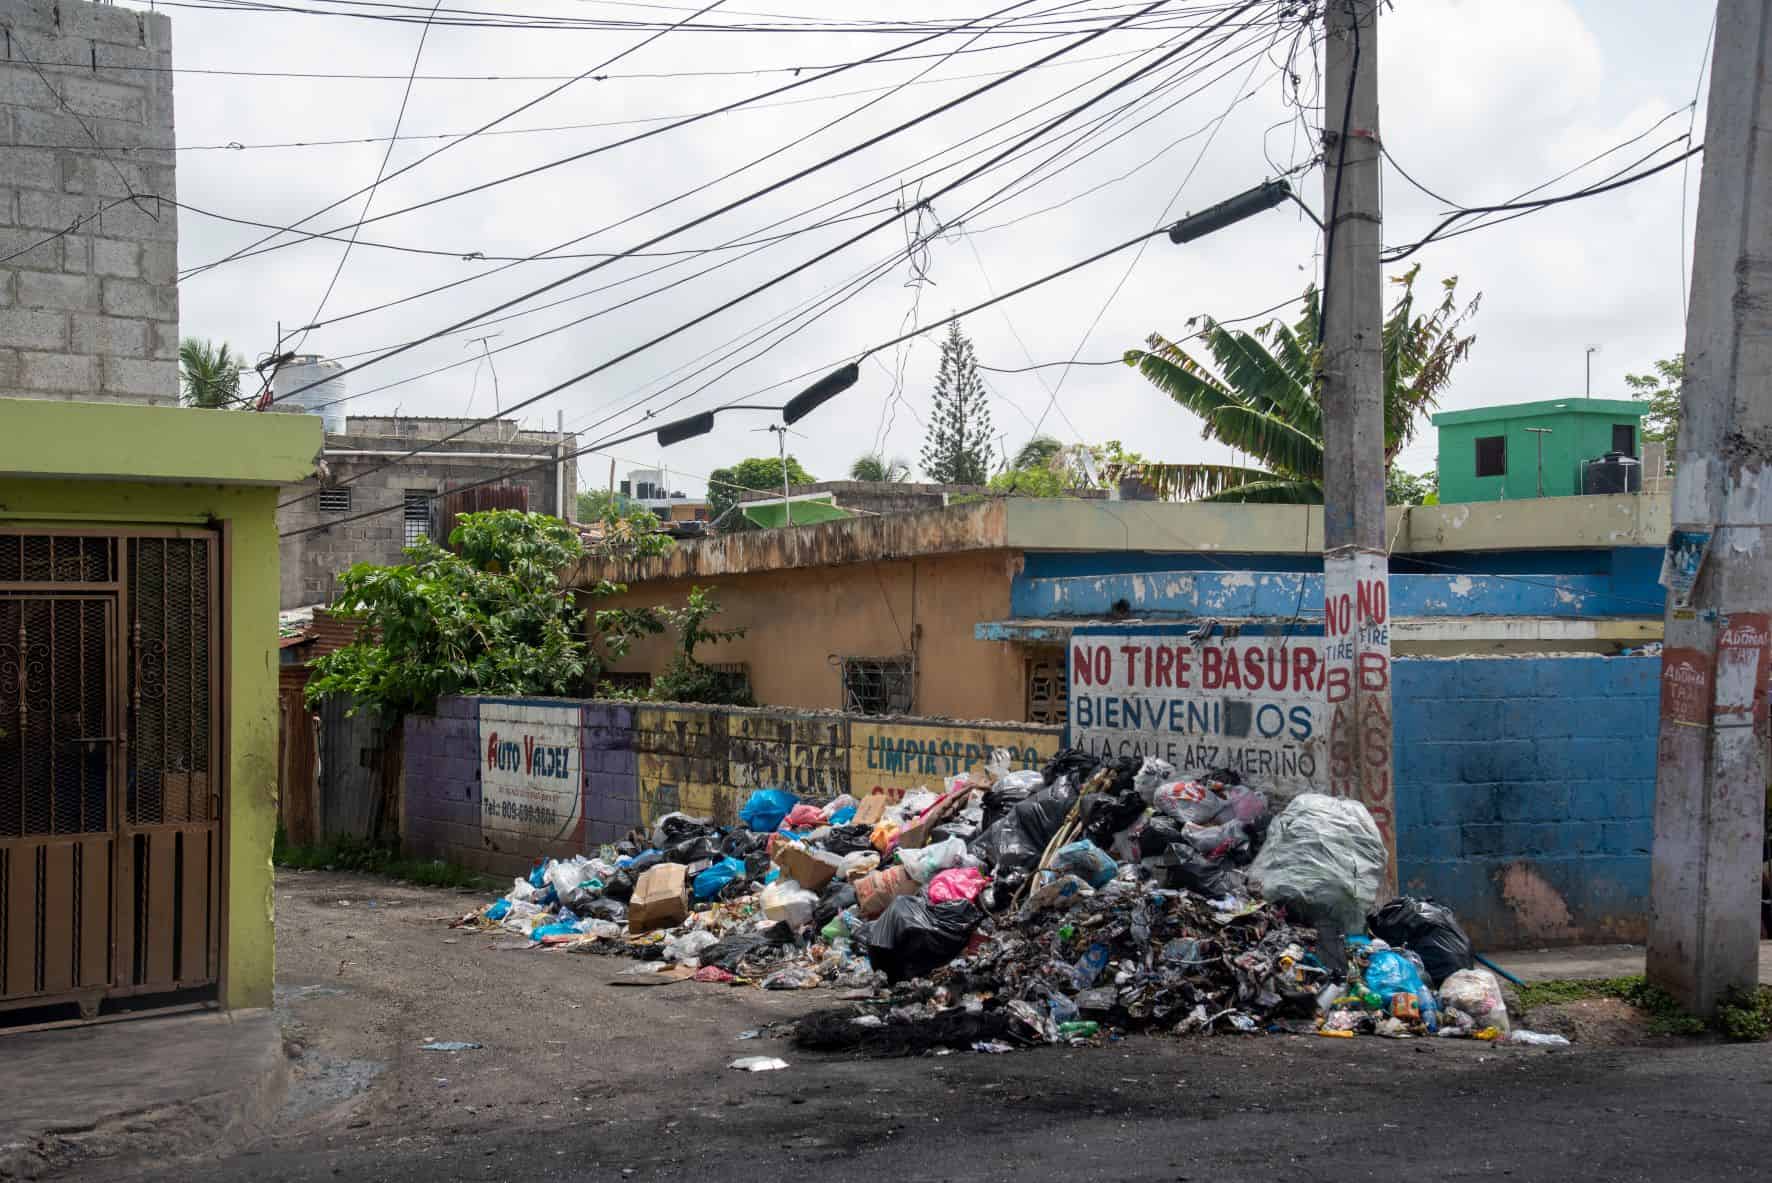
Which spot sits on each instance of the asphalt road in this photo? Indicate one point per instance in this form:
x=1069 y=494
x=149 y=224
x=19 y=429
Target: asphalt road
x=580 y=1079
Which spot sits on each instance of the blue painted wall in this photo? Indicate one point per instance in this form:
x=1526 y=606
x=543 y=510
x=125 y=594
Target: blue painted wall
x=1526 y=792
x=1567 y=583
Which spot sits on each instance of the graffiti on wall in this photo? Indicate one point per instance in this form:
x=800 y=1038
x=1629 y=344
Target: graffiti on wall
x=899 y=756
x=530 y=762
x=1252 y=704
x=1357 y=685
x=809 y=755
x=679 y=758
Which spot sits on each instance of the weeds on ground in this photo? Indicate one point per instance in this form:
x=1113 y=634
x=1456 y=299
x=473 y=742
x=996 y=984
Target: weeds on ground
x=374 y=858
x=1742 y=1017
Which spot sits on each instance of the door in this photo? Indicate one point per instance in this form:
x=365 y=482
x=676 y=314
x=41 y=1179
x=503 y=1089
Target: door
x=110 y=751
x=57 y=795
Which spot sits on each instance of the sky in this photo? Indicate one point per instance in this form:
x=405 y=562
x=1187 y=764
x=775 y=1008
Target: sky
x=1479 y=101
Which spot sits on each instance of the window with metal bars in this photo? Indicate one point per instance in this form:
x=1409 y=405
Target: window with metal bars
x=878 y=685
x=417 y=515
x=335 y=500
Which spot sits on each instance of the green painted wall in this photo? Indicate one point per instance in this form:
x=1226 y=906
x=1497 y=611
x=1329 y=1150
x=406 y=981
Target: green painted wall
x=1580 y=429
x=274 y=449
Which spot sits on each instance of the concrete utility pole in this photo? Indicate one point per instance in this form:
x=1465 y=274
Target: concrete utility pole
x=1710 y=785
x=1356 y=569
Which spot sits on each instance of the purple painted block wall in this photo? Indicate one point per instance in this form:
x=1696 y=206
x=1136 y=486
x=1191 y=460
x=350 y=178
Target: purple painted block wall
x=611 y=774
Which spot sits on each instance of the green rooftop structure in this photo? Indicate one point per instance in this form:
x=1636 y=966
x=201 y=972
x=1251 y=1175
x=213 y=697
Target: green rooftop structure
x=1493 y=453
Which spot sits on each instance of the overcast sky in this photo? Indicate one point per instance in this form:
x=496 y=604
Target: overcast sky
x=1480 y=99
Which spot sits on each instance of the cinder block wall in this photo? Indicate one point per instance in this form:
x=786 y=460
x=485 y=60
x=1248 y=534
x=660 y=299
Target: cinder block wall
x=1526 y=793
x=89 y=309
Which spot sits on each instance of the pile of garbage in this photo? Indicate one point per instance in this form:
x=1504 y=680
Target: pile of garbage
x=1017 y=907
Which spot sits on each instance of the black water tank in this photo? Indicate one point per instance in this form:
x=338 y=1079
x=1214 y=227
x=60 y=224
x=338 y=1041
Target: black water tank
x=1614 y=472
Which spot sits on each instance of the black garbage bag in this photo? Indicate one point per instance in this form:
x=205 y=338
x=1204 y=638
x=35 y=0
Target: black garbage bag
x=606 y=909
x=1006 y=850
x=1185 y=867
x=1224 y=776
x=848 y=839
x=701 y=848
x=1005 y=795
x=1427 y=929
x=742 y=843
x=1072 y=763
x=1159 y=834
x=620 y=886
x=837 y=896
x=680 y=827
x=912 y=937
x=965 y=831
x=733 y=948
x=644 y=863
x=1041 y=814
x=1106 y=814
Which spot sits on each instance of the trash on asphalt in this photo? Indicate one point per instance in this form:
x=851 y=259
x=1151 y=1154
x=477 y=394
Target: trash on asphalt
x=449 y=1045
x=758 y=1064
x=1015 y=907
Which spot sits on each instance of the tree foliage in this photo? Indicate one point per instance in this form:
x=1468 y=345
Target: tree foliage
x=1037 y=452
x=957 y=448
x=875 y=467
x=489 y=617
x=621 y=527
x=685 y=679
x=1257 y=391
x=762 y=473
x=208 y=374
x=1662 y=390
x=1407 y=488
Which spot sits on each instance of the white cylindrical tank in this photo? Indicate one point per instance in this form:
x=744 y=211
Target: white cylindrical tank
x=322 y=394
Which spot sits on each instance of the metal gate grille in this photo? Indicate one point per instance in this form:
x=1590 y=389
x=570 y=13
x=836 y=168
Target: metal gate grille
x=169 y=681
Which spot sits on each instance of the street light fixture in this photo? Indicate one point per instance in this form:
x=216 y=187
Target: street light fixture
x=1232 y=210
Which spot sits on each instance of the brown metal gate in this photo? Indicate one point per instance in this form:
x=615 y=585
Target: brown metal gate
x=110 y=856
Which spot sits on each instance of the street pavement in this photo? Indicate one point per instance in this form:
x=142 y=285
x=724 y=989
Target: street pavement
x=580 y=1078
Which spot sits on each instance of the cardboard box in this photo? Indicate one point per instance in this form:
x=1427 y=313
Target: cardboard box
x=871 y=810
x=661 y=898
x=916 y=833
x=804 y=867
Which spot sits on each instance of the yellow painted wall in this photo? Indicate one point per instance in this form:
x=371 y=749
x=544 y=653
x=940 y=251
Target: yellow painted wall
x=276 y=449
x=797 y=620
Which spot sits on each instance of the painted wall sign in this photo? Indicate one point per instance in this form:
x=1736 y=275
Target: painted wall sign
x=1686 y=686
x=530 y=770
x=898 y=756
x=1254 y=704
x=1357 y=686
x=1743 y=655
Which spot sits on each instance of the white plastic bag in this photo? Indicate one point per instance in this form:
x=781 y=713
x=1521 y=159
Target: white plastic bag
x=859 y=863
x=567 y=874
x=1028 y=778
x=843 y=801
x=997 y=767
x=522 y=892
x=915 y=803
x=1187 y=801
x=1325 y=858
x=1152 y=774
x=689 y=947
x=786 y=900
x=926 y=862
x=1477 y=993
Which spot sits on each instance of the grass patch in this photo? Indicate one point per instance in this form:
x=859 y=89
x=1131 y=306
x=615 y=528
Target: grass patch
x=373 y=858
x=1742 y=1017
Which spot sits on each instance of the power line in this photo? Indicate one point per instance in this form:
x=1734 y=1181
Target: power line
x=406 y=168
x=772 y=187
x=603 y=445
x=779 y=278
x=1685 y=173
x=369 y=198
x=894 y=177
x=1403 y=252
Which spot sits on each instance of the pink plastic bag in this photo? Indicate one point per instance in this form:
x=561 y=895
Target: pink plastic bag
x=803 y=817
x=957 y=883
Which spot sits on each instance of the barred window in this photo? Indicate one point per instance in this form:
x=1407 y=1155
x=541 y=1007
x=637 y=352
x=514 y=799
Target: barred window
x=878 y=686
x=418 y=515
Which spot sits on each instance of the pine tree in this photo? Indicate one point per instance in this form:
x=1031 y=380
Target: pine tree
x=957 y=450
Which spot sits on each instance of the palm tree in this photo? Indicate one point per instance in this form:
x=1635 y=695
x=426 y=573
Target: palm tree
x=874 y=467
x=208 y=374
x=1037 y=452
x=1260 y=395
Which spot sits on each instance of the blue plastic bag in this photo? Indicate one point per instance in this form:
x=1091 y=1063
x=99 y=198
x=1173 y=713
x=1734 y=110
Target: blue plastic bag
x=499 y=910
x=710 y=881
x=539 y=876
x=1086 y=861
x=553 y=930
x=1389 y=973
x=766 y=809
x=843 y=816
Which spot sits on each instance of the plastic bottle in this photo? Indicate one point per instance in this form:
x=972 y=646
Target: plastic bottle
x=1079 y=1029
x=1090 y=965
